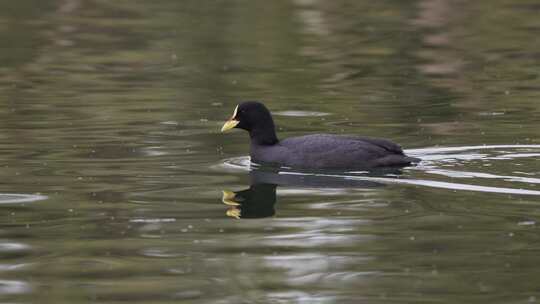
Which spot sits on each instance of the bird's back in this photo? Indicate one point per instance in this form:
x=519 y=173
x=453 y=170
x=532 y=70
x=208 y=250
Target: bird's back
x=326 y=151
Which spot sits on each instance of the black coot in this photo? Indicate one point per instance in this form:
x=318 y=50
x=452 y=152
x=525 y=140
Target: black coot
x=317 y=151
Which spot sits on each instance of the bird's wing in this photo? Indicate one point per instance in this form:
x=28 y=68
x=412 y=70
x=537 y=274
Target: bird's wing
x=322 y=150
x=324 y=142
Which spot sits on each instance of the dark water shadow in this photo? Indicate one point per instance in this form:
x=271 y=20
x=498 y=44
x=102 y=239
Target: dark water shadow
x=259 y=200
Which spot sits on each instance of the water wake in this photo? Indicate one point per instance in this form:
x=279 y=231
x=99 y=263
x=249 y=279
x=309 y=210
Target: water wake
x=506 y=169
x=14 y=198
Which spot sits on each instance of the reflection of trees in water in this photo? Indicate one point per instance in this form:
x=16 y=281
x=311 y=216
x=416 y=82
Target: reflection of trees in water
x=439 y=61
x=393 y=55
x=446 y=59
x=463 y=49
x=367 y=54
x=434 y=17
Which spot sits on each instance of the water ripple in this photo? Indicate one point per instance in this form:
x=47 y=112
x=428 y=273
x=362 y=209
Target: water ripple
x=301 y=113
x=437 y=163
x=12 y=198
x=13 y=287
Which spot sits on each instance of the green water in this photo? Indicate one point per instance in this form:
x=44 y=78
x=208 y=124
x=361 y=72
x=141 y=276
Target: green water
x=112 y=164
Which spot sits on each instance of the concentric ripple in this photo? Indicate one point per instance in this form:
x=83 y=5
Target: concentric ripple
x=508 y=169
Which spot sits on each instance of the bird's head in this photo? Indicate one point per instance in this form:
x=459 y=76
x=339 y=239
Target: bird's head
x=255 y=118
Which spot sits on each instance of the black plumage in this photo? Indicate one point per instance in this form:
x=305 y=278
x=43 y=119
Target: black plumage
x=317 y=151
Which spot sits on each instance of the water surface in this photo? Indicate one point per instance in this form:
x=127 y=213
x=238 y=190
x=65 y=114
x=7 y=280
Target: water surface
x=113 y=167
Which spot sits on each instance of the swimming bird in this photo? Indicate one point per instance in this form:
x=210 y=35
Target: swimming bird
x=316 y=151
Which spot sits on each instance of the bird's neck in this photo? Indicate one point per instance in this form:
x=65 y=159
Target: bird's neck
x=264 y=136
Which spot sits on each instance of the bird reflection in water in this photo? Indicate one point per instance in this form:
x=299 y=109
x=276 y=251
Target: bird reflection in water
x=259 y=200
x=255 y=202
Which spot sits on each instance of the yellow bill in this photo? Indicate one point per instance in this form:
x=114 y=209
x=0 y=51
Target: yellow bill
x=229 y=124
x=232 y=122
